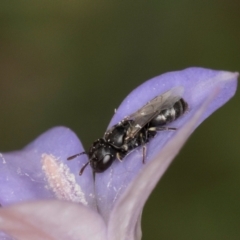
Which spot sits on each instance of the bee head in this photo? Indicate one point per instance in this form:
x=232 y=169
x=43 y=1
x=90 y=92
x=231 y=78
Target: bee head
x=101 y=155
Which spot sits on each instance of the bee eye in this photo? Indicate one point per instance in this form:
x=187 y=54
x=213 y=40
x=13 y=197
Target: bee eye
x=106 y=159
x=103 y=164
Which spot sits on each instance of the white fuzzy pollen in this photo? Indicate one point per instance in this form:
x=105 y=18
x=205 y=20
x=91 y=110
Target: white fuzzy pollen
x=61 y=180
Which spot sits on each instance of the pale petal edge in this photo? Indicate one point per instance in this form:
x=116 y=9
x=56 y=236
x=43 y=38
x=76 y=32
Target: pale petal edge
x=52 y=220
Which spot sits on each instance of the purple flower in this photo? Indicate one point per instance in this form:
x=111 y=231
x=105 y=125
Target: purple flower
x=34 y=179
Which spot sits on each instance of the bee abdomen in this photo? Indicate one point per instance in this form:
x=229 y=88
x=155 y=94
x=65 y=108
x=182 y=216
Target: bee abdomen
x=169 y=115
x=180 y=108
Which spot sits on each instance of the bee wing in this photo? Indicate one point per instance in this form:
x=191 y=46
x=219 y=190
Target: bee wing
x=150 y=110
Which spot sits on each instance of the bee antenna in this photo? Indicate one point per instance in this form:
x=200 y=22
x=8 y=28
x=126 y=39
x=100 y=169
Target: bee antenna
x=82 y=169
x=76 y=155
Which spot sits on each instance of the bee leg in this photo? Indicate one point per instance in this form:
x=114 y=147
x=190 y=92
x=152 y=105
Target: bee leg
x=144 y=153
x=157 y=129
x=143 y=137
x=82 y=169
x=76 y=155
x=118 y=157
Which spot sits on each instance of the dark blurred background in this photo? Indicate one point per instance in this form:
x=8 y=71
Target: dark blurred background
x=72 y=62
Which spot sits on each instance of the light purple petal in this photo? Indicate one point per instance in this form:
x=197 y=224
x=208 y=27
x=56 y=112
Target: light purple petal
x=4 y=236
x=41 y=171
x=132 y=201
x=50 y=220
x=198 y=83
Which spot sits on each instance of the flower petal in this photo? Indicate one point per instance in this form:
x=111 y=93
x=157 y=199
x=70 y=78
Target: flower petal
x=198 y=83
x=41 y=171
x=4 y=236
x=136 y=194
x=51 y=219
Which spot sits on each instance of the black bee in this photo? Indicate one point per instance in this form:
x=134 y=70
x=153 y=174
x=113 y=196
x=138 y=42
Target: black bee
x=135 y=130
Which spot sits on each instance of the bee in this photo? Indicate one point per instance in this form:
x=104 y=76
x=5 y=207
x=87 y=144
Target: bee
x=135 y=130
